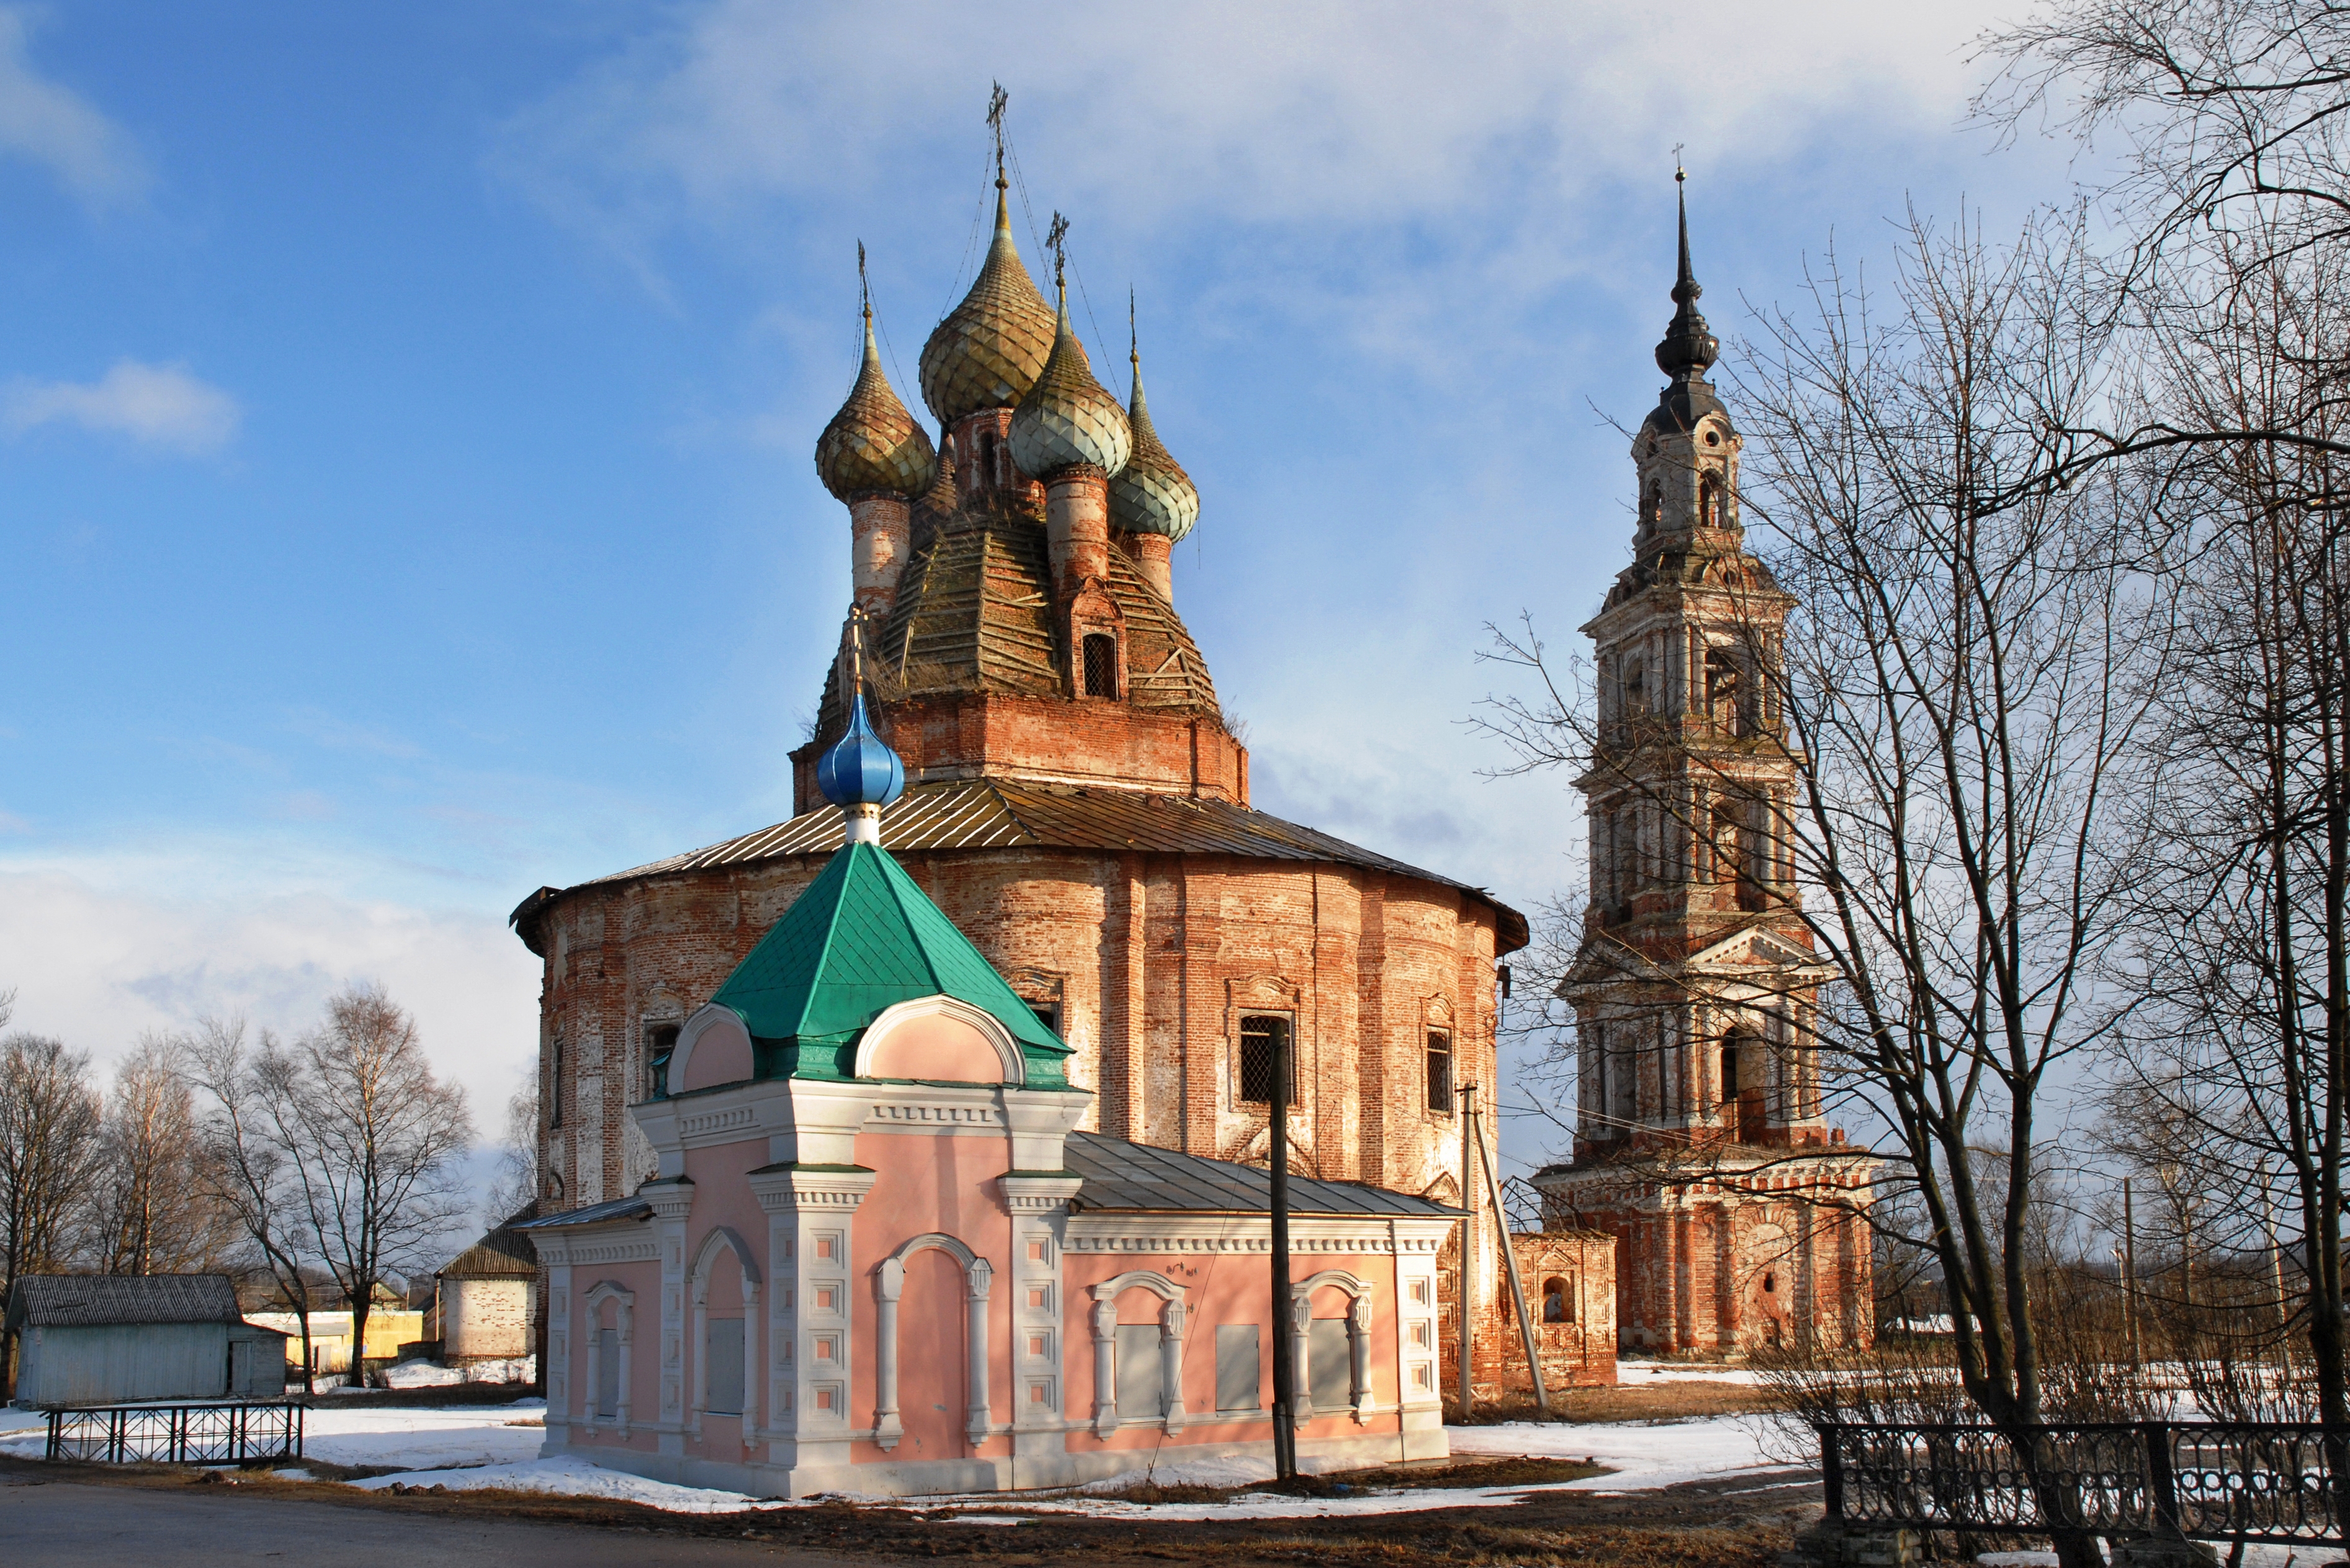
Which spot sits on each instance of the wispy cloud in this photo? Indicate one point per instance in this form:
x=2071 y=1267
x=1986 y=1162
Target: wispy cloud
x=46 y=123
x=159 y=406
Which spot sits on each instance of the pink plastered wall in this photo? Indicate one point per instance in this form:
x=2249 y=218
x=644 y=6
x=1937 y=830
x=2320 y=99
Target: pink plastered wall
x=1221 y=1288
x=927 y=1184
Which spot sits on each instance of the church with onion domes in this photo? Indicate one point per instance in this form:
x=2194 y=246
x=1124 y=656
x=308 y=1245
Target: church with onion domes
x=1075 y=801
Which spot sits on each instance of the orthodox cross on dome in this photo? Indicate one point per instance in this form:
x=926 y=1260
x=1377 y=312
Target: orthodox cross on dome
x=1056 y=240
x=864 y=286
x=996 y=100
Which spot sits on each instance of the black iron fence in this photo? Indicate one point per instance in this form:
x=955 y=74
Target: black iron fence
x=178 y=1434
x=2260 y=1481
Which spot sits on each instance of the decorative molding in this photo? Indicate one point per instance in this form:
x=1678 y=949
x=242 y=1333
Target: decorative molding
x=989 y=1027
x=726 y=1119
x=1037 y=1193
x=1119 y=1231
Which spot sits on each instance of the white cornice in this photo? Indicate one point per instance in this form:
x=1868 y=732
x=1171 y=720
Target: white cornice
x=1119 y=1231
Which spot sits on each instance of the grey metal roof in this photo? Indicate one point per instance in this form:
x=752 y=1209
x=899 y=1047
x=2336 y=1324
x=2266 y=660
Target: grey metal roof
x=64 y=1301
x=618 y=1209
x=1136 y=1176
x=997 y=812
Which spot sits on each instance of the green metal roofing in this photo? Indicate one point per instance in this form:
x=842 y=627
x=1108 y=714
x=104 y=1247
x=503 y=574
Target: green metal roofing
x=862 y=939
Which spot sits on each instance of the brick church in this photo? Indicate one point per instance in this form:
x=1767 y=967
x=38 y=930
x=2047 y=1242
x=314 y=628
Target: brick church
x=1076 y=802
x=1700 y=1143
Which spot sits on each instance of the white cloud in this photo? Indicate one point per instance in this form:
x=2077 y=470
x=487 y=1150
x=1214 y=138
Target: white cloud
x=159 y=406
x=102 y=946
x=1309 y=113
x=51 y=125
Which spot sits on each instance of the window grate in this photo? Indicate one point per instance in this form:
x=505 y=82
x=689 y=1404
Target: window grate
x=1260 y=1039
x=1439 y=1072
x=1101 y=665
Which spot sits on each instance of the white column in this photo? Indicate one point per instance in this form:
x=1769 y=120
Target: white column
x=888 y=1286
x=1358 y=1342
x=1301 y=1315
x=1170 y=1353
x=628 y=1334
x=1105 y=1367
x=977 y=1280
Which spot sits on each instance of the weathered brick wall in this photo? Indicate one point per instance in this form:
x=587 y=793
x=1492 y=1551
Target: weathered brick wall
x=1569 y=1278
x=1151 y=959
x=485 y=1318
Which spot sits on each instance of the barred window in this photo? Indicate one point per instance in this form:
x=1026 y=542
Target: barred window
x=1263 y=1039
x=1101 y=665
x=1439 y=1072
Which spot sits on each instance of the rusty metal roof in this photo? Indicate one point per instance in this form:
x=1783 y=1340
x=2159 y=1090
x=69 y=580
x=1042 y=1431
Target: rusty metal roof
x=997 y=814
x=1142 y=1178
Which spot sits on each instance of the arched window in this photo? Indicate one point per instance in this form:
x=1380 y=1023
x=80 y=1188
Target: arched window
x=1558 y=1299
x=1730 y=1065
x=1101 y=665
x=1725 y=692
x=1708 y=503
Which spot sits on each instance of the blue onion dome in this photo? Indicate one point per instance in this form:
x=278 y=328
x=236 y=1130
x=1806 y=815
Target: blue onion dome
x=1069 y=419
x=1152 y=494
x=991 y=347
x=860 y=769
x=873 y=444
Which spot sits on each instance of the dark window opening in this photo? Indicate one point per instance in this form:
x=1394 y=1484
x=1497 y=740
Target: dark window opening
x=1048 y=1013
x=555 y=1085
x=1557 y=1300
x=1770 y=1283
x=1101 y=665
x=1263 y=1040
x=1725 y=701
x=987 y=459
x=1730 y=1069
x=1439 y=1072
x=660 y=1044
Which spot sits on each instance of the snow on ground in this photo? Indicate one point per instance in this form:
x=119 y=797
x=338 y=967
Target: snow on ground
x=425 y=1438
x=575 y=1478
x=1632 y=1374
x=1643 y=1454
x=15 y=1423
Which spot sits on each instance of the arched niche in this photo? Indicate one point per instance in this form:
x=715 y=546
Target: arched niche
x=713 y=1048
x=938 y=1039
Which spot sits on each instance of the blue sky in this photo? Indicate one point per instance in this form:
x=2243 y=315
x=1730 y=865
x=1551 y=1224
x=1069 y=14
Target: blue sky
x=405 y=415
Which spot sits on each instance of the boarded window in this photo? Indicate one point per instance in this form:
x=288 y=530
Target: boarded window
x=1141 y=1373
x=608 y=1372
x=1439 y=1072
x=723 y=1371
x=1101 y=665
x=1330 y=1360
x=1263 y=1039
x=660 y=1041
x=1238 y=1375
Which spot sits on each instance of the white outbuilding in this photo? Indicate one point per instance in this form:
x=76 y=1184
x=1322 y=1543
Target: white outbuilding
x=108 y=1339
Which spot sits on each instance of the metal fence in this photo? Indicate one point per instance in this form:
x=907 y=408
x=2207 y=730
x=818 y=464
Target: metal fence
x=2257 y=1481
x=178 y=1434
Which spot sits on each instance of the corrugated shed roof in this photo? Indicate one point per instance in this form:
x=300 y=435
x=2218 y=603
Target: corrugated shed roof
x=994 y=812
x=859 y=939
x=61 y=1300
x=1126 y=1176
x=502 y=1253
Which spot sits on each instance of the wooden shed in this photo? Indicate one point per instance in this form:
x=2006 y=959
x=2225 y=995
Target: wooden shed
x=106 y=1339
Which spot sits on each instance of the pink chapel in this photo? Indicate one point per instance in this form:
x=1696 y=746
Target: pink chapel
x=879 y=1255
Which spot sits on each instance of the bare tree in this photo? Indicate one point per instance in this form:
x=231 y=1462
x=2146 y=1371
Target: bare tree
x=377 y=1142
x=249 y=1160
x=153 y=1208
x=1963 y=677
x=50 y=1121
x=517 y=1179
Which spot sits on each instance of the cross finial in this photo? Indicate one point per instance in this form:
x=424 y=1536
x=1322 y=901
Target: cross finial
x=1056 y=240
x=855 y=649
x=1133 y=340
x=996 y=100
x=1680 y=173
x=863 y=287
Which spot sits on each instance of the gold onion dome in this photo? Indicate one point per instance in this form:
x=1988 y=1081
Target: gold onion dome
x=990 y=349
x=873 y=443
x=1152 y=494
x=1069 y=419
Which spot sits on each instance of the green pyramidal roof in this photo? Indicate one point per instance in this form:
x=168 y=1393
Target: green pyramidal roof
x=864 y=937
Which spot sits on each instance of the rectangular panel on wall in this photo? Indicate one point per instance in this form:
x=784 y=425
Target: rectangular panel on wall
x=1141 y=1373
x=1331 y=1362
x=608 y=1372
x=723 y=1374
x=1238 y=1375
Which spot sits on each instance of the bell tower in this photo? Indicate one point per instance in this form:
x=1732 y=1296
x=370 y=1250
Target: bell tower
x=1695 y=986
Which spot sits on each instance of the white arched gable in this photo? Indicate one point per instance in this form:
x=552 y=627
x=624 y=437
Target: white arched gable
x=1013 y=1067
x=726 y=1031
x=723 y=1237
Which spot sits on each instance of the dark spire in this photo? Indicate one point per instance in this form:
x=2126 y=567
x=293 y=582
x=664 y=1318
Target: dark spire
x=1688 y=349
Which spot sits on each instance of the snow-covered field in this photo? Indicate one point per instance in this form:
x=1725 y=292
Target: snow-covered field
x=1643 y=1454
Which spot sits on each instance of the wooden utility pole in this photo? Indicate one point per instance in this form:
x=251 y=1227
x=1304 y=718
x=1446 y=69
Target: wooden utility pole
x=1510 y=1259
x=1285 y=1314
x=1463 y=1294
x=2129 y=1275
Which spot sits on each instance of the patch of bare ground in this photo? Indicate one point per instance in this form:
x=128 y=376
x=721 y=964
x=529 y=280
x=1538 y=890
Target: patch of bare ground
x=1658 y=1400
x=1744 y=1525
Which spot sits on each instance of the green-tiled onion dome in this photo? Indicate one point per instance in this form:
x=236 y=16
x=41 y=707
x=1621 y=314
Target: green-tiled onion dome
x=1152 y=494
x=1068 y=418
x=873 y=443
x=990 y=349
